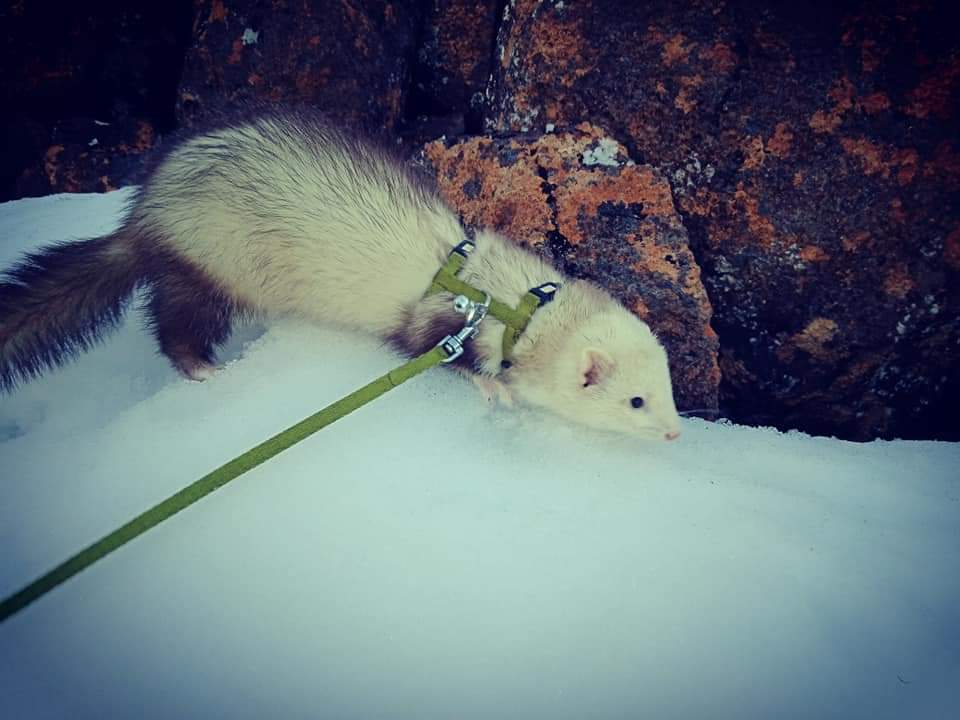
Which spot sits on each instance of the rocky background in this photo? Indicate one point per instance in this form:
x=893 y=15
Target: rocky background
x=773 y=186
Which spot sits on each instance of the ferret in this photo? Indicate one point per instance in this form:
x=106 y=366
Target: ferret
x=279 y=212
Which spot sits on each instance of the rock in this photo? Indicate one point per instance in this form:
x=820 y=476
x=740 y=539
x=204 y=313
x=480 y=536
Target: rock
x=577 y=198
x=813 y=156
x=454 y=60
x=67 y=65
x=350 y=58
x=654 y=75
x=89 y=156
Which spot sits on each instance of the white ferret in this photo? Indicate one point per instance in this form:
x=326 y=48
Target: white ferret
x=279 y=212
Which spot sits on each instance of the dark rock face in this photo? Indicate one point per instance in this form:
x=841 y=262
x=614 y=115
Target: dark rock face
x=89 y=156
x=454 y=61
x=813 y=154
x=351 y=58
x=78 y=72
x=578 y=199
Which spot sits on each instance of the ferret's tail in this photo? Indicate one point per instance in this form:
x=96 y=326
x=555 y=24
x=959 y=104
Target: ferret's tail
x=59 y=302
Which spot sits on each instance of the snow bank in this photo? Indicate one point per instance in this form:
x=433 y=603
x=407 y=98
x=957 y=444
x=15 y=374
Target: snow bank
x=429 y=557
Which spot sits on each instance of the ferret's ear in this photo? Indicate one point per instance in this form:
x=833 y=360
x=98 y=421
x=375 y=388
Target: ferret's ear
x=595 y=367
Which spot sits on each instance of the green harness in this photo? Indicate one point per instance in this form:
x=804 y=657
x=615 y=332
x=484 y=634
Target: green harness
x=473 y=303
x=515 y=320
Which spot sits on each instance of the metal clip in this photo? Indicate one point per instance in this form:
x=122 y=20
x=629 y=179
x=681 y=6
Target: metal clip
x=475 y=312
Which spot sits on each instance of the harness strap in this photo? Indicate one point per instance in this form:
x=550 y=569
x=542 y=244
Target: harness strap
x=515 y=320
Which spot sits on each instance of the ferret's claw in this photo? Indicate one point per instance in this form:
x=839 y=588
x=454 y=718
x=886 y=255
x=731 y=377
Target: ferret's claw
x=493 y=390
x=199 y=372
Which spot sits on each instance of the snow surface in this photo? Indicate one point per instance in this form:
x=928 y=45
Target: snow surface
x=429 y=557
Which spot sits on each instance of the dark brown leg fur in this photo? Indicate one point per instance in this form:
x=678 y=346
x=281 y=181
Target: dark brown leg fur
x=190 y=315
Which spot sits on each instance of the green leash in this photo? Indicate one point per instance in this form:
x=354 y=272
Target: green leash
x=475 y=307
x=217 y=479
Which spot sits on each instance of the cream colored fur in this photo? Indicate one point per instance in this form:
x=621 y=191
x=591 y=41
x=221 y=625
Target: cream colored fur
x=322 y=227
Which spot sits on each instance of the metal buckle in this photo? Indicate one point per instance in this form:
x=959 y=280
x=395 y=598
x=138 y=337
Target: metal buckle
x=475 y=312
x=464 y=249
x=545 y=292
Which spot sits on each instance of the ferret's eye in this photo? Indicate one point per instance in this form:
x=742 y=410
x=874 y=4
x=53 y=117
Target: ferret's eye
x=637 y=402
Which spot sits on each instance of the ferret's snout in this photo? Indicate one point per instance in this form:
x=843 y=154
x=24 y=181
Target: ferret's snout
x=672 y=435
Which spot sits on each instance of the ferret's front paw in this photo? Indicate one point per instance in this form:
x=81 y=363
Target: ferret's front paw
x=198 y=372
x=493 y=390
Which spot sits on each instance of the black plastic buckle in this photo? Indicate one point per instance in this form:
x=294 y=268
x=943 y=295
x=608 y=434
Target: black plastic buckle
x=545 y=292
x=464 y=249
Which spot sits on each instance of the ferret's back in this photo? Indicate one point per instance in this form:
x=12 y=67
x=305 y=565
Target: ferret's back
x=293 y=215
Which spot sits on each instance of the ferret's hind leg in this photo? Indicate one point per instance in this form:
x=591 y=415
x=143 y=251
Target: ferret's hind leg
x=190 y=316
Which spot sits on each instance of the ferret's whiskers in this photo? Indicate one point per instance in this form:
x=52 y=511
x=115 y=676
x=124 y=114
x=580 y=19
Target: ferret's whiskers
x=711 y=411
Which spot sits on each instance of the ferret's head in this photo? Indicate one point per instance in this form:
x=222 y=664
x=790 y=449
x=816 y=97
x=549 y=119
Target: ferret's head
x=610 y=372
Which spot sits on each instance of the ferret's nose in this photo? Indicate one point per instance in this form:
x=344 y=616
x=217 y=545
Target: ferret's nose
x=672 y=435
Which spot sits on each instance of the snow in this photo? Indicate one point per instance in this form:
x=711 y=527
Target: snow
x=431 y=557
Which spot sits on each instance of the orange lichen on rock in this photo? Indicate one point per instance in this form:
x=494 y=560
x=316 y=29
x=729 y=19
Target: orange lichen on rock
x=564 y=49
x=556 y=54
x=869 y=153
x=759 y=226
x=875 y=159
x=653 y=260
x=781 y=141
x=703 y=202
x=309 y=80
x=852 y=243
x=359 y=19
x=934 y=95
x=858 y=370
x=521 y=9
x=50 y=163
x=898 y=282
x=875 y=103
x=870 y=55
x=897 y=213
x=217 y=11
x=753 y=153
x=843 y=94
x=825 y=122
x=674 y=50
x=812 y=340
x=458 y=45
x=144 y=138
x=487 y=194
x=636 y=185
x=237 y=52
x=812 y=253
x=908 y=162
x=945 y=166
x=640 y=309
x=688 y=85
x=768 y=40
x=721 y=55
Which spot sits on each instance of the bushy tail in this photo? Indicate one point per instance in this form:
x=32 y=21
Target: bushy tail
x=59 y=302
